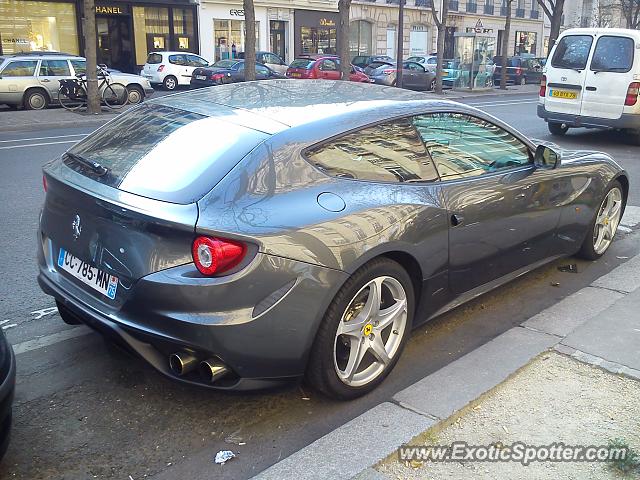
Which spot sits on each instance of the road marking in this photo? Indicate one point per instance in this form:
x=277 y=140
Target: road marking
x=43 y=138
x=43 y=312
x=501 y=104
x=49 y=340
x=37 y=144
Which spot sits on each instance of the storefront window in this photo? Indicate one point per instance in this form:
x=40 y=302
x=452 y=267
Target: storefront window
x=183 y=29
x=151 y=30
x=418 y=40
x=318 y=40
x=526 y=42
x=37 y=26
x=360 y=38
x=391 y=41
x=229 y=38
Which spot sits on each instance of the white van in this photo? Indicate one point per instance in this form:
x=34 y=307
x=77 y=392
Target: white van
x=592 y=79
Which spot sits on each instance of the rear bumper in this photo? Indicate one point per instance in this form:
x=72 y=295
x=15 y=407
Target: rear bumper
x=260 y=322
x=624 y=121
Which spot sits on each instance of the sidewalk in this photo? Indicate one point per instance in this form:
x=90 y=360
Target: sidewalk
x=11 y=120
x=543 y=362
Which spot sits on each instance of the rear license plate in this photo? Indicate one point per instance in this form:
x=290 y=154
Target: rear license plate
x=296 y=75
x=97 y=279
x=201 y=77
x=563 y=94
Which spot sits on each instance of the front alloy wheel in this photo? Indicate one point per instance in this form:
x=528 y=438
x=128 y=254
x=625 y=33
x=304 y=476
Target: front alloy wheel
x=605 y=224
x=363 y=332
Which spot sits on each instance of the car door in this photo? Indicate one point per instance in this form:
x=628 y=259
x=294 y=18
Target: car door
x=607 y=77
x=408 y=75
x=328 y=69
x=567 y=72
x=500 y=205
x=15 y=78
x=275 y=63
x=51 y=72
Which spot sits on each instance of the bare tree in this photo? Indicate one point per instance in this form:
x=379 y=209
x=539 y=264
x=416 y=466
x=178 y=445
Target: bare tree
x=505 y=46
x=249 y=40
x=90 y=52
x=553 y=9
x=343 y=40
x=631 y=13
x=400 y=44
x=441 y=25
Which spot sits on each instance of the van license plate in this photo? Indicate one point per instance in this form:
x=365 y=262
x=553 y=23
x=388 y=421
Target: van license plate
x=97 y=279
x=563 y=94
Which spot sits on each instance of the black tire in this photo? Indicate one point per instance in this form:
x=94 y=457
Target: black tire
x=557 y=128
x=587 y=250
x=136 y=94
x=321 y=373
x=432 y=85
x=35 y=99
x=115 y=95
x=72 y=102
x=67 y=316
x=633 y=137
x=170 y=83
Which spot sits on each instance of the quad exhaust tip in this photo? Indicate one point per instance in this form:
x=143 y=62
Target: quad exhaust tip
x=212 y=370
x=182 y=363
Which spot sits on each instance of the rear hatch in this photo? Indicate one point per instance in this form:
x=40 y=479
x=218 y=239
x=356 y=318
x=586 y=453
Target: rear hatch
x=300 y=68
x=123 y=199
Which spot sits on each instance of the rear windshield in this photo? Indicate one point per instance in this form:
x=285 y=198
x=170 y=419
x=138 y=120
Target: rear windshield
x=378 y=64
x=154 y=58
x=416 y=59
x=163 y=152
x=572 y=52
x=224 y=63
x=613 y=54
x=303 y=63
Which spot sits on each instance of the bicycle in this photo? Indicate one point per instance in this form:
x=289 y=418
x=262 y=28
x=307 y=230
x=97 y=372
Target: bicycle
x=72 y=94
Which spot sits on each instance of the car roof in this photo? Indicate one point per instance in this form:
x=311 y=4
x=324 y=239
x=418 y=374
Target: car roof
x=167 y=52
x=41 y=55
x=276 y=105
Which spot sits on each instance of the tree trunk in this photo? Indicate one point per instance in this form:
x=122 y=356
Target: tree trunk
x=400 y=44
x=441 y=24
x=343 y=38
x=505 y=47
x=556 y=23
x=93 y=94
x=249 y=40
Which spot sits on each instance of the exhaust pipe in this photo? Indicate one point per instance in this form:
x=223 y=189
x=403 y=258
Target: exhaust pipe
x=182 y=363
x=212 y=370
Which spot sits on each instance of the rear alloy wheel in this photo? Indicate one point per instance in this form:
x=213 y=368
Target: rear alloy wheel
x=170 y=82
x=557 y=128
x=604 y=224
x=136 y=94
x=36 y=100
x=432 y=85
x=363 y=332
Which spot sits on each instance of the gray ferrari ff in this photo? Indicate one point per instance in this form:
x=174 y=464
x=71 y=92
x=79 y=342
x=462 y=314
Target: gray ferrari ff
x=244 y=235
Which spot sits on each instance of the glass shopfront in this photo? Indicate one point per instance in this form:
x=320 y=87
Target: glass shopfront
x=316 y=32
x=526 y=42
x=229 y=38
x=28 y=26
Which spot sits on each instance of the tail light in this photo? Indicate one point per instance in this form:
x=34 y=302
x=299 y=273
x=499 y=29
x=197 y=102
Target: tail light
x=217 y=76
x=632 y=94
x=216 y=255
x=518 y=71
x=389 y=71
x=161 y=68
x=44 y=183
x=543 y=86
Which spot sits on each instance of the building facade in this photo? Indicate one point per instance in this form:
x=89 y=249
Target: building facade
x=125 y=30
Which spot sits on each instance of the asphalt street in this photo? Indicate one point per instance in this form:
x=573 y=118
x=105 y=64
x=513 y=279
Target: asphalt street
x=84 y=409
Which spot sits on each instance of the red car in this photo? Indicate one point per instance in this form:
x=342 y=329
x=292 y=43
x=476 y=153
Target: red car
x=325 y=67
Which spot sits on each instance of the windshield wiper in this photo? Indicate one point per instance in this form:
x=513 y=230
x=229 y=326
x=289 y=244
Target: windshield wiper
x=95 y=167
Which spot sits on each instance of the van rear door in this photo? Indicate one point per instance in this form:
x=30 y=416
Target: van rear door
x=608 y=76
x=566 y=75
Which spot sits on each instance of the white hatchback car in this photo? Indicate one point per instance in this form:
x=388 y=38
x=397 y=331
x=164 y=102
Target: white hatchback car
x=593 y=80
x=171 y=69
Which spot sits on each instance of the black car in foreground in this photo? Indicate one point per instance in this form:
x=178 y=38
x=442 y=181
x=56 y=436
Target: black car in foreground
x=228 y=71
x=7 y=386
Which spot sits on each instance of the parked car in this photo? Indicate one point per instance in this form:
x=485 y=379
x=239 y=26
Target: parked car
x=7 y=387
x=32 y=81
x=228 y=71
x=414 y=75
x=271 y=60
x=428 y=61
x=451 y=72
x=593 y=81
x=362 y=61
x=324 y=67
x=520 y=70
x=203 y=267
x=171 y=69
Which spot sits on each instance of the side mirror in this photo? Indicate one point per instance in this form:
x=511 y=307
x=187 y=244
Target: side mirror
x=546 y=157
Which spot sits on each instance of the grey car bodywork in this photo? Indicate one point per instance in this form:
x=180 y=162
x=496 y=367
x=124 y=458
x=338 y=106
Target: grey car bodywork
x=308 y=231
x=414 y=75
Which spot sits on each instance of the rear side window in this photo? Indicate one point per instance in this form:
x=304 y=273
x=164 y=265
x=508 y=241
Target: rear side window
x=79 y=66
x=389 y=152
x=572 y=52
x=20 y=68
x=178 y=60
x=613 y=54
x=164 y=153
x=302 y=63
x=54 y=68
x=154 y=58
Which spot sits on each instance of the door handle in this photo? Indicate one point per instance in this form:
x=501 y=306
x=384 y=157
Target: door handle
x=45 y=80
x=592 y=89
x=456 y=219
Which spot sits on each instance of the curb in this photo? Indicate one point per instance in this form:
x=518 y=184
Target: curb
x=352 y=450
